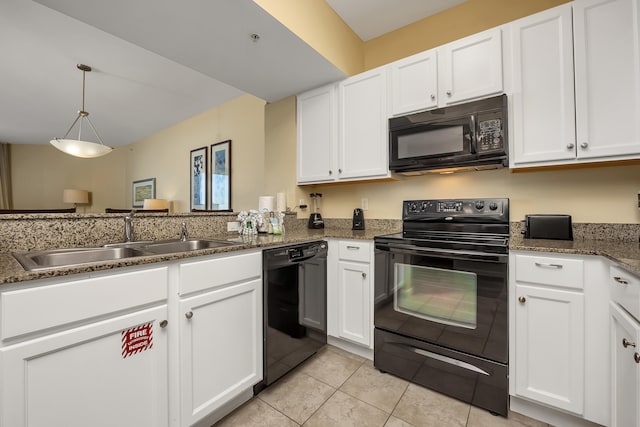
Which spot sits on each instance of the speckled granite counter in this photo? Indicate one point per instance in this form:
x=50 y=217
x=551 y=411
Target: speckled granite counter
x=617 y=242
x=11 y=271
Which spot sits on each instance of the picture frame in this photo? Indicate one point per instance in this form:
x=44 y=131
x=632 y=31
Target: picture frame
x=142 y=189
x=198 y=188
x=220 y=180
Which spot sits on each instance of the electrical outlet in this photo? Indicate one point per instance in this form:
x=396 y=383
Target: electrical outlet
x=233 y=226
x=365 y=204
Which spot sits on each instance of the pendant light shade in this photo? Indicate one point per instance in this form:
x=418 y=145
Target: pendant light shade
x=79 y=147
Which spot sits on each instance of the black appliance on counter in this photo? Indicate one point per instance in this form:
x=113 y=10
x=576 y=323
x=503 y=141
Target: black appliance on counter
x=295 y=307
x=463 y=136
x=358 y=219
x=315 y=219
x=441 y=317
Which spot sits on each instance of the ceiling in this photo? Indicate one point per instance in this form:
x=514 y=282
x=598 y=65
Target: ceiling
x=156 y=63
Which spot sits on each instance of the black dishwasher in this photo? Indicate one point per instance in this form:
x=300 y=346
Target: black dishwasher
x=295 y=307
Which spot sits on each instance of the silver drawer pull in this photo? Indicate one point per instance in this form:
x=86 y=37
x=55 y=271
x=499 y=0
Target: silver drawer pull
x=636 y=357
x=548 y=265
x=354 y=247
x=626 y=343
x=621 y=280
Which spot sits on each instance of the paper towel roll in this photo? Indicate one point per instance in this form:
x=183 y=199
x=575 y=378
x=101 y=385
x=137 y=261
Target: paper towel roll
x=281 y=202
x=265 y=203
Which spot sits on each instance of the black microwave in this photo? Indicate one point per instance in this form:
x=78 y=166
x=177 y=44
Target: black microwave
x=460 y=137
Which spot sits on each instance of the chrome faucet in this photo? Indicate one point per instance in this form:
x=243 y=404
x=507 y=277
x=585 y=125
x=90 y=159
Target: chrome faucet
x=129 y=235
x=184 y=234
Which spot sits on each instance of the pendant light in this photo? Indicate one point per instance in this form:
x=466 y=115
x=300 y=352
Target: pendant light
x=79 y=147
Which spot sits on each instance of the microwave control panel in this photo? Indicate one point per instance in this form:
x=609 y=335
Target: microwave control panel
x=490 y=132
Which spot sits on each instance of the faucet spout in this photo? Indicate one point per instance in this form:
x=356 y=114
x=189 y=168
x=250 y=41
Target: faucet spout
x=184 y=234
x=129 y=234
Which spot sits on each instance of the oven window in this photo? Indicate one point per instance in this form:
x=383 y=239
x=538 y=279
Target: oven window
x=444 y=296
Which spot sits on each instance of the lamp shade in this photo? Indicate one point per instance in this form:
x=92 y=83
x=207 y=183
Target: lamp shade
x=78 y=148
x=75 y=196
x=155 y=204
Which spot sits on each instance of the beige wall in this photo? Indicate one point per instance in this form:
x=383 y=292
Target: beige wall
x=165 y=155
x=40 y=172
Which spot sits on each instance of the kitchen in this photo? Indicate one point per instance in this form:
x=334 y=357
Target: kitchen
x=601 y=195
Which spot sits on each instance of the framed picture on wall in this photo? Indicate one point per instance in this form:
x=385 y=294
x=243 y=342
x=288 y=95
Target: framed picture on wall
x=142 y=189
x=221 y=176
x=198 y=187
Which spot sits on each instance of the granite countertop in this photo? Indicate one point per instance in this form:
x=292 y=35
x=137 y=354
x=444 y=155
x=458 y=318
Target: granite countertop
x=11 y=271
x=624 y=252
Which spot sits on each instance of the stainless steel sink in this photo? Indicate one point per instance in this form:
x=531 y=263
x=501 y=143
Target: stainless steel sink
x=58 y=258
x=41 y=260
x=171 y=246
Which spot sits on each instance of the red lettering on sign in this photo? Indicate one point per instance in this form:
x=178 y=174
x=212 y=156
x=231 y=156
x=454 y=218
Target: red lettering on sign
x=137 y=339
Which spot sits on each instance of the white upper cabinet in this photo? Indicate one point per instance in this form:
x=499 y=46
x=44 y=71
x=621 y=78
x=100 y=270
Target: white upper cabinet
x=414 y=83
x=460 y=71
x=575 y=72
x=607 y=58
x=471 y=67
x=317 y=129
x=362 y=139
x=542 y=96
x=342 y=130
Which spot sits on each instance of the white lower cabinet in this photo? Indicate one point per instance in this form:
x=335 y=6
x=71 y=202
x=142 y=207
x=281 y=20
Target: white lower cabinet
x=349 y=291
x=625 y=369
x=110 y=370
x=559 y=337
x=177 y=344
x=220 y=323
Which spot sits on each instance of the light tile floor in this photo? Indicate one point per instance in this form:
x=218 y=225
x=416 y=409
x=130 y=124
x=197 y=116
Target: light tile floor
x=337 y=388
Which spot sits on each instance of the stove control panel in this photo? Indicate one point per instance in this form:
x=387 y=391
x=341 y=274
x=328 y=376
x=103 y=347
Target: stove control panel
x=472 y=207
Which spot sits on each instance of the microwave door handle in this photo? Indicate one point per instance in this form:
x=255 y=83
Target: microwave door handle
x=472 y=133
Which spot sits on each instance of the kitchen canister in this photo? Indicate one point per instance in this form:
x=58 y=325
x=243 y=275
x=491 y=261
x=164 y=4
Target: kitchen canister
x=266 y=204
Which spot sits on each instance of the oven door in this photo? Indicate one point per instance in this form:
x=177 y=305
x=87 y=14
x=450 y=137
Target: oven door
x=454 y=299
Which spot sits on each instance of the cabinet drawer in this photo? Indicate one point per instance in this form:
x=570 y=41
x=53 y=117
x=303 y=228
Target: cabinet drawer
x=625 y=290
x=553 y=271
x=211 y=273
x=354 y=251
x=30 y=310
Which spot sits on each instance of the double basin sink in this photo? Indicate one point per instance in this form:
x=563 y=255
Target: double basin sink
x=57 y=258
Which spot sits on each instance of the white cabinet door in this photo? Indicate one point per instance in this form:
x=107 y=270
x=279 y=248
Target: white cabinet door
x=414 y=83
x=549 y=346
x=354 y=302
x=85 y=376
x=542 y=98
x=607 y=61
x=625 y=369
x=317 y=134
x=363 y=126
x=220 y=348
x=471 y=67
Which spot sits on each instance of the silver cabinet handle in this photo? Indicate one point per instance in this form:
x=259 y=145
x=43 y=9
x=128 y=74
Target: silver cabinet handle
x=448 y=93
x=620 y=280
x=433 y=97
x=357 y=248
x=364 y=275
x=188 y=314
x=330 y=172
x=547 y=265
x=636 y=357
x=584 y=145
x=339 y=170
x=163 y=324
x=570 y=145
x=626 y=343
x=522 y=300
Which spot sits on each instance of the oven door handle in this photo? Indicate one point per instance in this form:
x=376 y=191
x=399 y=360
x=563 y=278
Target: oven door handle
x=442 y=253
